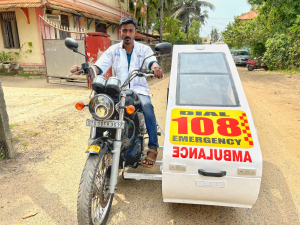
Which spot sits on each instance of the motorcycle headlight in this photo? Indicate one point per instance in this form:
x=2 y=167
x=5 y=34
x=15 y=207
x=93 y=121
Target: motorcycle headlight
x=101 y=107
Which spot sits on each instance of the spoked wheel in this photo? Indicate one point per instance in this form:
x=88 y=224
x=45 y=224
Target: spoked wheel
x=94 y=200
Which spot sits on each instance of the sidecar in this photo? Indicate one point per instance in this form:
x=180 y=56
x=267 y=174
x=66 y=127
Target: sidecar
x=211 y=152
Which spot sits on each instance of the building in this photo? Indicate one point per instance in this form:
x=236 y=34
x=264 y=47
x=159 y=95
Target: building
x=21 y=24
x=248 y=16
x=205 y=40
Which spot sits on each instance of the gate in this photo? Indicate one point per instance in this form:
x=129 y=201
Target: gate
x=60 y=59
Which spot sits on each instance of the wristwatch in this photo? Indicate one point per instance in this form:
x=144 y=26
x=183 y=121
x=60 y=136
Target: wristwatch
x=157 y=67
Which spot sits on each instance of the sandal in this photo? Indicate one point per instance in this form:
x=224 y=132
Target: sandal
x=153 y=150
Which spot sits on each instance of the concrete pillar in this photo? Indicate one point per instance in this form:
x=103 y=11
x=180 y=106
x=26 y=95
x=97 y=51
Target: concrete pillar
x=6 y=145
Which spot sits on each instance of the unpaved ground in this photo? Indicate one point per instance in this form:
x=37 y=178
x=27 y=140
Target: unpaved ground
x=50 y=137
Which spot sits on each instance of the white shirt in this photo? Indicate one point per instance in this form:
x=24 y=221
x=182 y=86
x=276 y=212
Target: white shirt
x=116 y=56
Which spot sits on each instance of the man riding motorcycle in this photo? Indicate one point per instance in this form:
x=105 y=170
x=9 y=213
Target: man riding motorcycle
x=127 y=56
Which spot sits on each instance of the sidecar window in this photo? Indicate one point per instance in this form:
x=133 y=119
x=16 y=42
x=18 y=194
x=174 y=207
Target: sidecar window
x=204 y=79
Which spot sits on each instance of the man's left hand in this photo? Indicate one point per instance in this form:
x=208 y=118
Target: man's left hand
x=158 y=73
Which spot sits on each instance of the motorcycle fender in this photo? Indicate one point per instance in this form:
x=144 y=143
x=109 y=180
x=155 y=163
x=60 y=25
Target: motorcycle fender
x=95 y=147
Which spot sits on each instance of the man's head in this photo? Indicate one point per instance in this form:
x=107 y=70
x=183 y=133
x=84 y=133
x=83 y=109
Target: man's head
x=128 y=29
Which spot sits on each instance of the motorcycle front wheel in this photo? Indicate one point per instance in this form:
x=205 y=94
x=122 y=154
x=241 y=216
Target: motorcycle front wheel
x=94 y=200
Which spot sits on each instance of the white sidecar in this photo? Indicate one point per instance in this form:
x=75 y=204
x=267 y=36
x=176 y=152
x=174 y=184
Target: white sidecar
x=211 y=150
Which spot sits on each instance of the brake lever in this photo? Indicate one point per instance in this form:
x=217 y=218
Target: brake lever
x=81 y=70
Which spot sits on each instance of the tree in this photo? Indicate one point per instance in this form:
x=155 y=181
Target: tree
x=274 y=32
x=194 y=33
x=214 y=35
x=172 y=27
x=185 y=10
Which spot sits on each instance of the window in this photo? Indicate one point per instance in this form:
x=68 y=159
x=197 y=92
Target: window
x=64 y=23
x=9 y=30
x=100 y=27
x=204 y=79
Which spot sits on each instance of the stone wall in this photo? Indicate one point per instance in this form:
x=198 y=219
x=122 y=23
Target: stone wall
x=6 y=145
x=165 y=62
x=25 y=69
x=34 y=69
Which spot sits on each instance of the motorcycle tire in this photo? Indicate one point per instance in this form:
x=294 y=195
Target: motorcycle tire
x=250 y=67
x=93 y=193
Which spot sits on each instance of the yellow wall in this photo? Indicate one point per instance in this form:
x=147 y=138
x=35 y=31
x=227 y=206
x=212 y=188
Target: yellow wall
x=27 y=33
x=110 y=2
x=207 y=40
x=113 y=36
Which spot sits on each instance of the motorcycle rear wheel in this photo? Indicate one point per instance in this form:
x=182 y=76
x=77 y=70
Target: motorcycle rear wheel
x=94 y=200
x=250 y=67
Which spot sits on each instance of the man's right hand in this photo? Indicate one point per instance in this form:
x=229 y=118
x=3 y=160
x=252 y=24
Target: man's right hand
x=74 y=69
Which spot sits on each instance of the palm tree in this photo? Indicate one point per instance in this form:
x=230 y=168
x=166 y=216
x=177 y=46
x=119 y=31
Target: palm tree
x=214 y=35
x=186 y=9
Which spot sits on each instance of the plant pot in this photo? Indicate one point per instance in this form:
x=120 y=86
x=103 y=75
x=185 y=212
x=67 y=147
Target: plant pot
x=6 y=65
x=15 y=66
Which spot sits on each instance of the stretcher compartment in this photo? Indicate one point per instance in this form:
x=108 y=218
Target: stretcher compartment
x=221 y=191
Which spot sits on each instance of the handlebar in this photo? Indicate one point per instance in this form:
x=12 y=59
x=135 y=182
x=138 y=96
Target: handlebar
x=78 y=70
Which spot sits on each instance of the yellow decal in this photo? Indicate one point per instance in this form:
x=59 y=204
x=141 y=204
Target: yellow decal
x=93 y=148
x=219 y=128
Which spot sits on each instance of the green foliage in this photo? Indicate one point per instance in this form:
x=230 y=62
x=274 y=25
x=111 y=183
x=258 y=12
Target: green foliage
x=172 y=28
x=2 y=155
x=282 y=52
x=194 y=33
x=6 y=56
x=275 y=32
x=20 y=53
x=25 y=143
x=11 y=126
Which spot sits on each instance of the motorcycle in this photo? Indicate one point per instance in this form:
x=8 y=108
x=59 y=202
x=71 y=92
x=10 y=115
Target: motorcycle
x=251 y=65
x=117 y=137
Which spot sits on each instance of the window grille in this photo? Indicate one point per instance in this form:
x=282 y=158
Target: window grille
x=101 y=27
x=9 y=30
x=64 y=23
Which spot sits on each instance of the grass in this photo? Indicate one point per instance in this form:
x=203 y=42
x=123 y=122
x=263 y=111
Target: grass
x=20 y=135
x=33 y=134
x=2 y=155
x=15 y=139
x=25 y=143
x=289 y=71
x=11 y=126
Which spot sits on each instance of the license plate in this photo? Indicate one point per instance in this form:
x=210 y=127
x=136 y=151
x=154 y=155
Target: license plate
x=105 y=124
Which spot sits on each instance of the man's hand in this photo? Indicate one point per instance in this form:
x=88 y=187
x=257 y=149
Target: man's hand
x=74 y=69
x=158 y=73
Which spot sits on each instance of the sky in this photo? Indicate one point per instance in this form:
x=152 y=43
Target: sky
x=224 y=12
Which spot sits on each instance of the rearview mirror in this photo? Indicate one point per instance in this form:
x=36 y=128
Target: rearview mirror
x=163 y=48
x=71 y=44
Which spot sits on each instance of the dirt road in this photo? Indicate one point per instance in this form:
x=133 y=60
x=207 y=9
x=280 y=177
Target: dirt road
x=50 y=137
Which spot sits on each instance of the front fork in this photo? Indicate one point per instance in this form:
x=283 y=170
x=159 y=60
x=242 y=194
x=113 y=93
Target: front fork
x=116 y=150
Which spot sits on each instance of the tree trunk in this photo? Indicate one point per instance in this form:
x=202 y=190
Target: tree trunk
x=147 y=28
x=161 y=20
x=187 y=26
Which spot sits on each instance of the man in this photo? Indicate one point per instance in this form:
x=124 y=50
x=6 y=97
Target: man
x=127 y=56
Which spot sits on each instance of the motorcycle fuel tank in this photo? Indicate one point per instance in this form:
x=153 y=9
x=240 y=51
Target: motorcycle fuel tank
x=211 y=150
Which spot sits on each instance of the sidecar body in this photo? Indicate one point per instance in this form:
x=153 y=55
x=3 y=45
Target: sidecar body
x=211 y=151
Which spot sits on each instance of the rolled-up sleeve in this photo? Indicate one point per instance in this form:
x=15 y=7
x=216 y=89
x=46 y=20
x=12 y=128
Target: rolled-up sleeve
x=151 y=59
x=105 y=61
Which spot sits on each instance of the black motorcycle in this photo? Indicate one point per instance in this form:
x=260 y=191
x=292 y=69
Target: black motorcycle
x=117 y=137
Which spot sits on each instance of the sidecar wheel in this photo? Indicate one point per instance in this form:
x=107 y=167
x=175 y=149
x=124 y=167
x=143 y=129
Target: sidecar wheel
x=94 y=200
